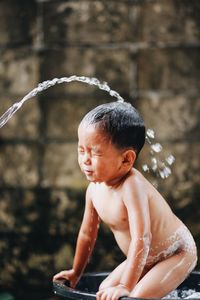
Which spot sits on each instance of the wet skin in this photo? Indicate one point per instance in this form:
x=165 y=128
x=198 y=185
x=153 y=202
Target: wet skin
x=145 y=228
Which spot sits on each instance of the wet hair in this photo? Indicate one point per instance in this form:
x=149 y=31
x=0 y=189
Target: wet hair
x=121 y=122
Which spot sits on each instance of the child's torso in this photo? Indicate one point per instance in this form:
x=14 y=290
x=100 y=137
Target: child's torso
x=111 y=209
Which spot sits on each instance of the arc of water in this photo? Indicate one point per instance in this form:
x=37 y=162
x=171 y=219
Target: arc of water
x=49 y=83
x=157 y=166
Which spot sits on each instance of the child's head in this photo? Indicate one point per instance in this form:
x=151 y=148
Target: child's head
x=120 y=122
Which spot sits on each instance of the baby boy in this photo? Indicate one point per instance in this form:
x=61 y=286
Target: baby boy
x=160 y=251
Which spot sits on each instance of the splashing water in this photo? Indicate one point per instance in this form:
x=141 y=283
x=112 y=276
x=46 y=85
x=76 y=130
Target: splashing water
x=49 y=83
x=157 y=166
x=183 y=294
x=161 y=167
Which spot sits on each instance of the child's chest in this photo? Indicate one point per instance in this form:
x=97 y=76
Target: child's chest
x=111 y=209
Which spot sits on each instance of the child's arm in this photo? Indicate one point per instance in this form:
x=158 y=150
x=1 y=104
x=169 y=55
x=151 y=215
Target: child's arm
x=85 y=242
x=87 y=236
x=136 y=201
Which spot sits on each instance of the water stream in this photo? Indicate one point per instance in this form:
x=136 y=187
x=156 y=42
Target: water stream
x=161 y=167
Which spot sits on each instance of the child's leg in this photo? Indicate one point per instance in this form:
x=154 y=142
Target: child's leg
x=114 y=277
x=165 y=276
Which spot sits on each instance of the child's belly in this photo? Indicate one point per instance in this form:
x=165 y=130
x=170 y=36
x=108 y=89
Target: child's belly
x=181 y=239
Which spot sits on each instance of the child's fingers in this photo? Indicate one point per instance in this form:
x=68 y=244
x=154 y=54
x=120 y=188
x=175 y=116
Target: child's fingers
x=99 y=294
x=111 y=293
x=103 y=295
x=62 y=274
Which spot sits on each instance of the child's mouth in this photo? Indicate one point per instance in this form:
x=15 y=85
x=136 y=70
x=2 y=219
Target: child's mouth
x=88 y=172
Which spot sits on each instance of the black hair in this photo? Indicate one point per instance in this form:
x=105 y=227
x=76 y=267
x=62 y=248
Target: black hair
x=121 y=122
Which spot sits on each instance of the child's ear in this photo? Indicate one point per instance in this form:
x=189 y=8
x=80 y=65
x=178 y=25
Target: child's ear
x=129 y=157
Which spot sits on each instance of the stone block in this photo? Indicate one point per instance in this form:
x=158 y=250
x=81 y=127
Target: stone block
x=18 y=71
x=24 y=123
x=170 y=21
x=35 y=239
x=60 y=167
x=64 y=257
x=13 y=203
x=7 y=218
x=105 y=64
x=168 y=69
x=22 y=259
x=89 y=22
x=172 y=117
x=17 y=22
x=64 y=115
x=18 y=165
x=65 y=213
x=62 y=219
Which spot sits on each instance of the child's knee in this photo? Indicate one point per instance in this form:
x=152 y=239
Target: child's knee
x=187 y=262
x=192 y=261
x=195 y=257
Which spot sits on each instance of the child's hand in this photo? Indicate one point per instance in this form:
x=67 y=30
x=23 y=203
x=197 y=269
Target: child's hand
x=67 y=275
x=112 y=293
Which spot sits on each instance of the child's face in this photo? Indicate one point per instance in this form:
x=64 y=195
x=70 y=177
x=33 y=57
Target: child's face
x=98 y=158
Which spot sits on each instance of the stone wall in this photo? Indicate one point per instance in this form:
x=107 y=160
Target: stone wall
x=146 y=50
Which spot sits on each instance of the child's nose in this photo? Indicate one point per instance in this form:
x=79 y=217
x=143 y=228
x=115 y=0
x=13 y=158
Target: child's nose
x=86 y=159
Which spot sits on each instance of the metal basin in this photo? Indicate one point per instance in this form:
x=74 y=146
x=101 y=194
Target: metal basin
x=89 y=283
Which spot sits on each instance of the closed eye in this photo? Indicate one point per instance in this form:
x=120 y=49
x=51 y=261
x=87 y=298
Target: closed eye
x=81 y=150
x=96 y=153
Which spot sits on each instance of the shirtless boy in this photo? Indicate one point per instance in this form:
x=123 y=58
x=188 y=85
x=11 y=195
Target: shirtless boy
x=160 y=251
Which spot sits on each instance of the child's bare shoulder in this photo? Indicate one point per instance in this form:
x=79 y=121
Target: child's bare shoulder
x=90 y=191
x=135 y=183
x=135 y=180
